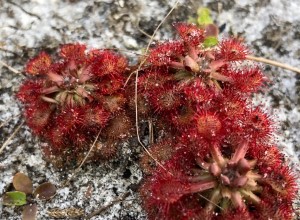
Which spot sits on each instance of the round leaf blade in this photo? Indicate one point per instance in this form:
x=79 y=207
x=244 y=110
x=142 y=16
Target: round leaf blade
x=29 y=212
x=45 y=191
x=22 y=183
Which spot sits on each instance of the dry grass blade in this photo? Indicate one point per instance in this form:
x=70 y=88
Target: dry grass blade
x=142 y=31
x=211 y=202
x=124 y=51
x=11 y=137
x=9 y=67
x=157 y=28
x=151 y=40
x=273 y=63
x=151 y=134
x=136 y=85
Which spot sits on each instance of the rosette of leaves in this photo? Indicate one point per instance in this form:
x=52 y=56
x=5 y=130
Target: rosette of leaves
x=69 y=99
x=184 y=76
x=25 y=195
x=234 y=180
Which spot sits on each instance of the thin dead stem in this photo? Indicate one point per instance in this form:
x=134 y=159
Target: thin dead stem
x=137 y=125
x=124 y=51
x=136 y=86
x=131 y=74
x=83 y=161
x=151 y=134
x=157 y=28
x=208 y=200
x=273 y=63
x=11 y=137
x=141 y=30
x=9 y=67
x=151 y=40
x=110 y=204
x=8 y=120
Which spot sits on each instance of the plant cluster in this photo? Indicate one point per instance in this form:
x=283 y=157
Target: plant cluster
x=217 y=158
x=70 y=99
x=217 y=154
x=24 y=195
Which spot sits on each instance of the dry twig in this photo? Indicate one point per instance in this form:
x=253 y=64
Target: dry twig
x=110 y=204
x=142 y=31
x=10 y=137
x=83 y=161
x=9 y=67
x=273 y=63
